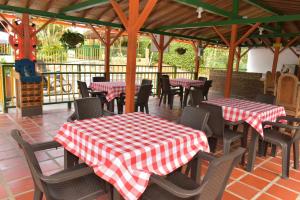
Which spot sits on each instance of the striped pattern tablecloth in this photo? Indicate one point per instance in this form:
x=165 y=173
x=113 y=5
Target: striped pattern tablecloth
x=126 y=149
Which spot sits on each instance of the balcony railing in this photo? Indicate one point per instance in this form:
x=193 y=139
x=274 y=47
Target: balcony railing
x=60 y=80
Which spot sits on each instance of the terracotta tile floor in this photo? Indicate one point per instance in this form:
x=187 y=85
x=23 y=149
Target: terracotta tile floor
x=16 y=183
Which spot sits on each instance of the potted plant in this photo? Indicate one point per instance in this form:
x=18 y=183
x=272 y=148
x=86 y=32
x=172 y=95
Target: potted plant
x=71 y=40
x=180 y=50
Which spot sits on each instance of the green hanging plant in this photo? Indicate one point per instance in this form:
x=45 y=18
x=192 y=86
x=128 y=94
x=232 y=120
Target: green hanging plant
x=71 y=40
x=180 y=50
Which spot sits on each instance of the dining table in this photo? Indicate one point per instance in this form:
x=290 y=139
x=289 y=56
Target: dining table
x=186 y=84
x=253 y=113
x=114 y=90
x=126 y=149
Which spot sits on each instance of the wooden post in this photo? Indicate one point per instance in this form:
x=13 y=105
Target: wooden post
x=276 y=56
x=161 y=53
x=196 y=46
x=232 y=46
x=132 y=24
x=26 y=31
x=107 y=53
x=238 y=59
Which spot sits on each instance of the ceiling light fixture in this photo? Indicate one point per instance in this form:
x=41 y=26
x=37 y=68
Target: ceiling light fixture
x=199 y=11
x=260 y=29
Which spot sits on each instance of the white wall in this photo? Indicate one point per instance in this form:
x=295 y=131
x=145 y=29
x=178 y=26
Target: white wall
x=261 y=59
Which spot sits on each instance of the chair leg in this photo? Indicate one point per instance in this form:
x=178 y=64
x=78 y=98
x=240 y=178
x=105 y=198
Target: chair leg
x=296 y=154
x=261 y=146
x=147 y=108
x=226 y=146
x=136 y=108
x=285 y=160
x=273 y=153
x=212 y=142
x=160 y=99
x=165 y=99
x=170 y=100
x=38 y=195
x=142 y=108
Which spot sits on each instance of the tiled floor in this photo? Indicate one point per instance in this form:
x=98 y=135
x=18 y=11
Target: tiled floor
x=16 y=183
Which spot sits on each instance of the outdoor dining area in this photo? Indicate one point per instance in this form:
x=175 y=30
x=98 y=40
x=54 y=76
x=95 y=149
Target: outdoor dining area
x=171 y=138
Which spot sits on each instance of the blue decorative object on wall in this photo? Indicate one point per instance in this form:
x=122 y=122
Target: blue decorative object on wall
x=26 y=68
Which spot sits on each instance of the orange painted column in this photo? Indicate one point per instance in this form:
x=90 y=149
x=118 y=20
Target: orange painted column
x=228 y=80
x=161 y=53
x=276 y=56
x=107 y=53
x=238 y=59
x=27 y=38
x=197 y=59
x=160 y=60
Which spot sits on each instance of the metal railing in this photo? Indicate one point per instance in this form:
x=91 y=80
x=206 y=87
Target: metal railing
x=60 y=80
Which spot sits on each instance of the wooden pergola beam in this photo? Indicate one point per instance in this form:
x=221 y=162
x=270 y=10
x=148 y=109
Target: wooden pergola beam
x=245 y=52
x=232 y=46
x=83 y=5
x=11 y=25
x=42 y=27
x=221 y=36
x=133 y=24
x=116 y=37
x=251 y=30
x=276 y=56
x=97 y=34
x=290 y=43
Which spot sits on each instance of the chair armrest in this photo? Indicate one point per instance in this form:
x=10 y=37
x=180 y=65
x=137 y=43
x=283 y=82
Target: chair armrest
x=288 y=118
x=280 y=125
x=45 y=145
x=206 y=156
x=97 y=93
x=107 y=113
x=233 y=123
x=174 y=189
x=68 y=175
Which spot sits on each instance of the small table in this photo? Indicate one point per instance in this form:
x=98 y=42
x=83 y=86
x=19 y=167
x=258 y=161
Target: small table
x=186 y=84
x=126 y=149
x=113 y=89
x=254 y=113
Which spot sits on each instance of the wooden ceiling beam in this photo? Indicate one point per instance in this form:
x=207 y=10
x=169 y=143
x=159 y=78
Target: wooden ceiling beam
x=275 y=18
x=290 y=43
x=83 y=5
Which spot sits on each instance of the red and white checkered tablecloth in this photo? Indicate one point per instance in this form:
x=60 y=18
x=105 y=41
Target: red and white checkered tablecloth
x=254 y=113
x=113 y=89
x=186 y=83
x=126 y=149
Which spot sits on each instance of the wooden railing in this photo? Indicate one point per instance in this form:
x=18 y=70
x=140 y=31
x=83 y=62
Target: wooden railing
x=60 y=80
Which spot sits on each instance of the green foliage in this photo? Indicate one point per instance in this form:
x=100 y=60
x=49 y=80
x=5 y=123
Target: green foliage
x=71 y=40
x=49 y=46
x=212 y=57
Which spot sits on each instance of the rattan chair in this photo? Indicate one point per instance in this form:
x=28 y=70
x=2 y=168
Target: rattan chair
x=168 y=91
x=275 y=136
x=78 y=182
x=195 y=118
x=269 y=83
x=288 y=94
x=178 y=186
x=142 y=98
x=216 y=125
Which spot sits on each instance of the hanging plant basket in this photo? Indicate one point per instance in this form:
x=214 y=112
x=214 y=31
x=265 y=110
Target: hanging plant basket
x=181 y=50
x=71 y=40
